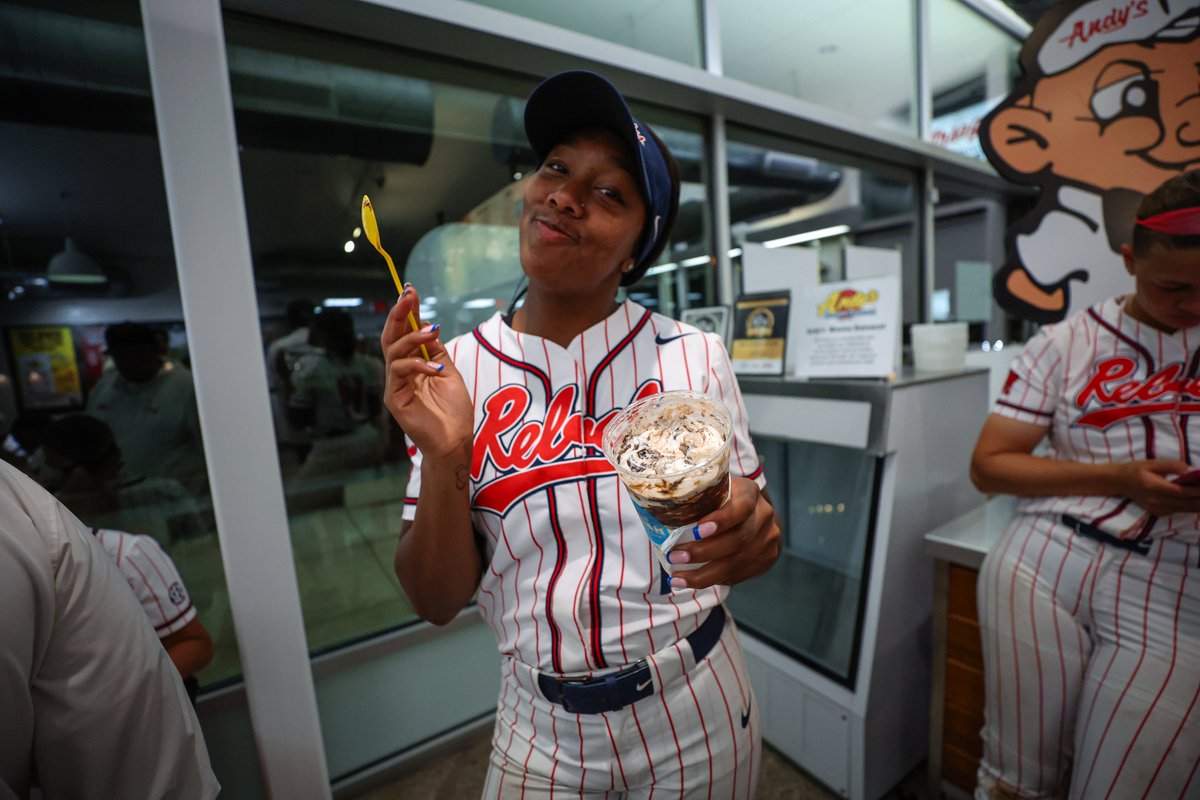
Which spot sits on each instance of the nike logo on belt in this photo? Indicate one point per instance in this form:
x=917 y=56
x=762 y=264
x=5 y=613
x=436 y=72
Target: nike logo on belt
x=660 y=339
x=746 y=714
x=637 y=687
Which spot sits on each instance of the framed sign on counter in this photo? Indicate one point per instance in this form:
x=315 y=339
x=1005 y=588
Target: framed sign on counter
x=710 y=319
x=45 y=366
x=760 y=325
x=850 y=329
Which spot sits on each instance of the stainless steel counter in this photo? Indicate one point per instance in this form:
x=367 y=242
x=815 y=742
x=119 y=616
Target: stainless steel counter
x=852 y=412
x=967 y=539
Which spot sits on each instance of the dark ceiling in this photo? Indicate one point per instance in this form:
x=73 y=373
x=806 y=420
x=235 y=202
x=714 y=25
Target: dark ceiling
x=317 y=129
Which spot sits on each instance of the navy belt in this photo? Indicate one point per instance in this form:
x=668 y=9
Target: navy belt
x=1092 y=532
x=616 y=690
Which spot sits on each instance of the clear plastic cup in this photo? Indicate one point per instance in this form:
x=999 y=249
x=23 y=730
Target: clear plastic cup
x=670 y=503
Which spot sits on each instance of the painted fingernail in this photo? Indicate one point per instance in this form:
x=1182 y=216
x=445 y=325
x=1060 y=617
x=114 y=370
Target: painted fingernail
x=435 y=365
x=404 y=292
x=435 y=327
x=679 y=557
x=704 y=529
x=678 y=583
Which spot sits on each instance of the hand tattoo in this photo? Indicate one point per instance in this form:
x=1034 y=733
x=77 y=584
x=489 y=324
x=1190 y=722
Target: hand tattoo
x=461 y=476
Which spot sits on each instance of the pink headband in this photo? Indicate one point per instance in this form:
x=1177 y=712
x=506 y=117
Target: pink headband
x=1181 y=222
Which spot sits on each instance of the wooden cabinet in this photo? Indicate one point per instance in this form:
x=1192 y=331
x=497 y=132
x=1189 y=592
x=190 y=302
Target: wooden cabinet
x=957 y=712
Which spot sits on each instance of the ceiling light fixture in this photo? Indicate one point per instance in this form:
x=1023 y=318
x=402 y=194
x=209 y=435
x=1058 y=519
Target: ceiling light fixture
x=72 y=265
x=342 y=302
x=808 y=236
x=348 y=246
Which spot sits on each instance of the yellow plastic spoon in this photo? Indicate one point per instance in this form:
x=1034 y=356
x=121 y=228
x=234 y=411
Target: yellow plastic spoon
x=371 y=228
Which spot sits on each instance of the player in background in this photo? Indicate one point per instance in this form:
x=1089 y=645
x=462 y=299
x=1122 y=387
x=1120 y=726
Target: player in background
x=616 y=681
x=1089 y=606
x=152 y=576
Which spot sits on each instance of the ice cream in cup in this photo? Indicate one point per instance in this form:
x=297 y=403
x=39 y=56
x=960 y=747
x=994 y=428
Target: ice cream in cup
x=671 y=450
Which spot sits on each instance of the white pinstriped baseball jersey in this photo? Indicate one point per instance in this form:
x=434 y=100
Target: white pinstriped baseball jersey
x=1110 y=389
x=153 y=577
x=571 y=586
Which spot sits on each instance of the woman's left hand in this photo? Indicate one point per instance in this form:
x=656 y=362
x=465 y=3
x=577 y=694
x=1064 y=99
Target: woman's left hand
x=740 y=540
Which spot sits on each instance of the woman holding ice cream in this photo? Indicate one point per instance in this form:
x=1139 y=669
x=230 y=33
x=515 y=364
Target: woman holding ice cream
x=617 y=678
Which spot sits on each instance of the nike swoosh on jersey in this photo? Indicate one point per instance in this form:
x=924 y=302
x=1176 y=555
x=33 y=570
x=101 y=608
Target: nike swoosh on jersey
x=660 y=339
x=639 y=686
x=746 y=714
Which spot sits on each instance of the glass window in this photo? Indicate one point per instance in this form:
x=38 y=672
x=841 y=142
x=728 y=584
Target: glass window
x=321 y=122
x=667 y=29
x=810 y=603
x=972 y=67
x=817 y=205
x=97 y=401
x=970 y=226
x=856 y=57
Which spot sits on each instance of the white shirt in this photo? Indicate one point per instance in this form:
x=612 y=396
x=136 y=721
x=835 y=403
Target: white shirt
x=155 y=423
x=88 y=696
x=293 y=345
x=337 y=392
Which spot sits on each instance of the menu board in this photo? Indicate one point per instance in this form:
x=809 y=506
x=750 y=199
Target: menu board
x=849 y=329
x=760 y=325
x=45 y=366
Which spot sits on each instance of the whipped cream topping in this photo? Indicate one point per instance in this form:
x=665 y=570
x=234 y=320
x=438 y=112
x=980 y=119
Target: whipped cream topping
x=663 y=448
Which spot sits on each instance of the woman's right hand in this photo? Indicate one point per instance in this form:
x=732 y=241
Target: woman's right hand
x=428 y=399
x=1146 y=483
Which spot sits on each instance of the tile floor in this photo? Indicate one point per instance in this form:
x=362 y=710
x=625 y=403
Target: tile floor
x=343 y=539
x=458 y=774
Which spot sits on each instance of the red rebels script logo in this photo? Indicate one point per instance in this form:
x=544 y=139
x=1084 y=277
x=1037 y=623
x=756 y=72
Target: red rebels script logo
x=536 y=455
x=1121 y=399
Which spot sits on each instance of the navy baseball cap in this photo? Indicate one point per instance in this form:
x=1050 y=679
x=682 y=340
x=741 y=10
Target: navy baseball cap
x=568 y=101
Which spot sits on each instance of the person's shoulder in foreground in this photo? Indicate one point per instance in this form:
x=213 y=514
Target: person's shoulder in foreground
x=91 y=703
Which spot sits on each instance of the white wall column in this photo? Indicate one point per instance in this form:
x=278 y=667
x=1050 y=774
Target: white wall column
x=193 y=108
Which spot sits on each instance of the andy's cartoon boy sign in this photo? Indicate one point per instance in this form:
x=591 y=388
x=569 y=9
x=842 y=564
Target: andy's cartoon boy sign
x=1107 y=109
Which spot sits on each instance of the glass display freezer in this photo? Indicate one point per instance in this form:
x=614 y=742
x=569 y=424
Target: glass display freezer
x=837 y=632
